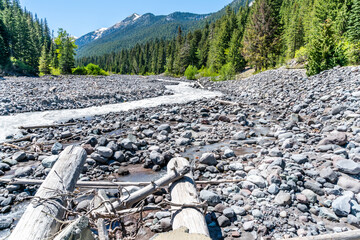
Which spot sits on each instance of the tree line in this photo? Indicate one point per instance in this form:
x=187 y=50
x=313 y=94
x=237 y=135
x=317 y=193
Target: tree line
x=263 y=34
x=27 y=45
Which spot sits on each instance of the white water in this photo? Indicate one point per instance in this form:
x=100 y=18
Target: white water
x=183 y=93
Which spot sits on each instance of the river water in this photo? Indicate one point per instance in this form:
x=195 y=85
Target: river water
x=183 y=93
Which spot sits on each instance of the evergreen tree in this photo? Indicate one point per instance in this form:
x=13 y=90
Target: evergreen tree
x=66 y=51
x=324 y=53
x=354 y=22
x=45 y=61
x=235 y=57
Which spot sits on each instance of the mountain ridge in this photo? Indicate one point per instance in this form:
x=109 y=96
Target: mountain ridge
x=138 y=28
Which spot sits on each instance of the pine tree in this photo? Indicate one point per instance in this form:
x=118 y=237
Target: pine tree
x=354 y=22
x=45 y=61
x=66 y=51
x=261 y=40
x=235 y=57
x=324 y=53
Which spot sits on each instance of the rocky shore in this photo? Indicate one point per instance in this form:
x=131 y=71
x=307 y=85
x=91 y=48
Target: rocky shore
x=294 y=142
x=27 y=94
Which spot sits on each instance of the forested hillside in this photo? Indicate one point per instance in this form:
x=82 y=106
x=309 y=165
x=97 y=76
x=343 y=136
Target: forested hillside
x=141 y=29
x=268 y=33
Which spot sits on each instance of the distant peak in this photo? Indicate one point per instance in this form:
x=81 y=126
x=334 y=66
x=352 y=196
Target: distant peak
x=133 y=17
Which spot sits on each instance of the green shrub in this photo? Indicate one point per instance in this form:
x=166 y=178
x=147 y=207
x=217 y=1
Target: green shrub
x=352 y=52
x=301 y=55
x=55 y=71
x=93 y=69
x=227 y=72
x=191 y=72
x=80 y=71
x=21 y=68
x=208 y=72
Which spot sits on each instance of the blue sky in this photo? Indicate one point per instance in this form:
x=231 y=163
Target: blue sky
x=79 y=17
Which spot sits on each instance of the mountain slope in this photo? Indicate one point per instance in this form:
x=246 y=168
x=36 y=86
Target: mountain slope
x=139 y=29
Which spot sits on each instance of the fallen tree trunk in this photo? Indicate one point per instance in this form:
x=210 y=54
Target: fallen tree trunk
x=349 y=235
x=183 y=192
x=47 y=126
x=223 y=102
x=40 y=218
x=105 y=185
x=77 y=230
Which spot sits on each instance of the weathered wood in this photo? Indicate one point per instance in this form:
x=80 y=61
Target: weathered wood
x=27 y=138
x=101 y=198
x=47 y=126
x=101 y=227
x=38 y=221
x=200 y=85
x=106 y=185
x=226 y=102
x=71 y=232
x=349 y=235
x=183 y=192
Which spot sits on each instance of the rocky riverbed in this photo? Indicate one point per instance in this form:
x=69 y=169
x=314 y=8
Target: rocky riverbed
x=26 y=94
x=293 y=140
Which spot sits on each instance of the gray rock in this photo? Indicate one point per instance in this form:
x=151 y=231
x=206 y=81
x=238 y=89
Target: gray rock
x=229 y=212
x=348 y=166
x=208 y=159
x=157 y=158
x=257 y=180
x=163 y=214
x=186 y=134
x=148 y=132
x=336 y=109
x=19 y=156
x=165 y=127
x=349 y=184
x=119 y=156
x=210 y=197
x=237 y=166
x=4 y=167
x=49 y=161
x=337 y=138
x=56 y=148
x=105 y=152
x=299 y=158
x=23 y=172
x=65 y=134
x=248 y=226
x=310 y=195
x=5 y=223
x=328 y=214
x=283 y=199
x=97 y=157
x=228 y=153
x=239 y=210
x=341 y=206
x=10 y=162
x=315 y=187
x=329 y=175
x=256 y=213
x=223 y=221
x=239 y=136
x=128 y=144
x=165 y=224
x=182 y=141
x=273 y=189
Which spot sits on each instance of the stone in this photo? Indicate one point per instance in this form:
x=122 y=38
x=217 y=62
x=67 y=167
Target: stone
x=98 y=158
x=165 y=224
x=104 y=152
x=315 y=187
x=163 y=214
x=157 y=158
x=256 y=213
x=239 y=210
x=65 y=134
x=49 y=161
x=186 y=134
x=23 y=171
x=148 y=132
x=10 y=161
x=329 y=174
x=283 y=214
x=165 y=127
x=228 y=153
x=239 y=136
x=210 y=197
x=283 y=199
x=182 y=141
x=229 y=212
x=328 y=214
x=337 y=138
x=310 y=195
x=341 y=206
x=348 y=166
x=5 y=223
x=257 y=180
x=4 y=167
x=248 y=226
x=223 y=221
x=299 y=158
x=208 y=159
x=19 y=156
x=273 y=189
x=56 y=148
x=128 y=144
x=119 y=156
x=349 y=184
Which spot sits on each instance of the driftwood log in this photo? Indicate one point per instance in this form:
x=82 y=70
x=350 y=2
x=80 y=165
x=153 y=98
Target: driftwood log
x=183 y=192
x=105 y=185
x=76 y=230
x=47 y=126
x=39 y=220
x=349 y=235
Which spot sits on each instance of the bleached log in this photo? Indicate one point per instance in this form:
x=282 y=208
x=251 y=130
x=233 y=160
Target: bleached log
x=72 y=230
x=183 y=192
x=349 y=235
x=107 y=185
x=226 y=102
x=100 y=222
x=47 y=126
x=40 y=219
